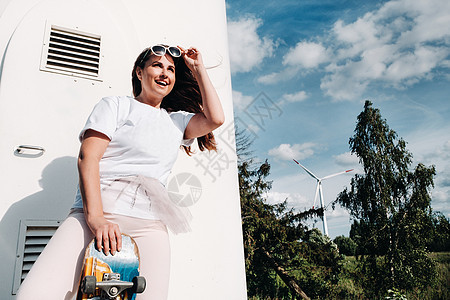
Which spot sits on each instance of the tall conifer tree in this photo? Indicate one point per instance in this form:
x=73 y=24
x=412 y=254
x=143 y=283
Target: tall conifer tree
x=391 y=204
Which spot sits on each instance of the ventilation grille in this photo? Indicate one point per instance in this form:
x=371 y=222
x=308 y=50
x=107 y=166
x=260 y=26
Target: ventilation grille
x=71 y=52
x=33 y=237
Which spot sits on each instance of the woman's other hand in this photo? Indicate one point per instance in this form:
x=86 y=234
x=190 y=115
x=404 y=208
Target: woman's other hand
x=107 y=235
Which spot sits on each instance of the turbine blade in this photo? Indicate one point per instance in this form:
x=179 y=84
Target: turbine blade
x=307 y=171
x=332 y=175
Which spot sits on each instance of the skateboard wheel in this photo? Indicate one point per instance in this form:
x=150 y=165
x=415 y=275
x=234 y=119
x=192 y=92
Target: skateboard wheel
x=88 y=284
x=139 y=284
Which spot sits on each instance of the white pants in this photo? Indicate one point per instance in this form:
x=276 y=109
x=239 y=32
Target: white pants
x=56 y=273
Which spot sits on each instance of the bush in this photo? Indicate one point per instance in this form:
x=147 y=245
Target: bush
x=345 y=245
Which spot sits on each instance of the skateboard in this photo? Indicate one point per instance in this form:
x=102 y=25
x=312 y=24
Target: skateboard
x=113 y=276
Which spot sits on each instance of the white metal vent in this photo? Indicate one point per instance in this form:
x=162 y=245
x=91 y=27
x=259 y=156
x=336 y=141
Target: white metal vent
x=33 y=237
x=71 y=52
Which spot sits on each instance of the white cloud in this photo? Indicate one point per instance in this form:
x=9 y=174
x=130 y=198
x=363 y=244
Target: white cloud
x=338 y=212
x=346 y=159
x=247 y=48
x=440 y=156
x=276 y=197
x=354 y=38
x=240 y=101
x=440 y=196
x=270 y=78
x=411 y=67
x=440 y=201
x=431 y=19
x=307 y=55
x=303 y=56
x=341 y=86
x=297 y=97
x=293 y=199
x=438 y=153
x=296 y=151
x=398 y=45
x=292 y=98
x=286 y=74
x=444 y=180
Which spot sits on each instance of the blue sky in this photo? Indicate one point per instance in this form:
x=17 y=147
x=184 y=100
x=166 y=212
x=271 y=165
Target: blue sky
x=301 y=71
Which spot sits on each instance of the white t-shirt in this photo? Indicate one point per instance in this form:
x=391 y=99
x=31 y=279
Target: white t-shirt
x=144 y=140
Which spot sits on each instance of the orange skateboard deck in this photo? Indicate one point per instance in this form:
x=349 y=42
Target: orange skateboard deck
x=111 y=276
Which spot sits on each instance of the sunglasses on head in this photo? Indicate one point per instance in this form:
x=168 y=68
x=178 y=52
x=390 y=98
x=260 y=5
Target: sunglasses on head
x=161 y=50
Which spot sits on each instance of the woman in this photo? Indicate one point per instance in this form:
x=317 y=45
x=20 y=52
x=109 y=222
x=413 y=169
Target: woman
x=128 y=148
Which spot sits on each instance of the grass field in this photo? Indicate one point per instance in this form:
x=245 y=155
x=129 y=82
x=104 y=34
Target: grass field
x=348 y=287
x=442 y=290
x=439 y=292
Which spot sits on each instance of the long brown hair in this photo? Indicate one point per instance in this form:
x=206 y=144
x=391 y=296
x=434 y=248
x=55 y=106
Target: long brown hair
x=184 y=96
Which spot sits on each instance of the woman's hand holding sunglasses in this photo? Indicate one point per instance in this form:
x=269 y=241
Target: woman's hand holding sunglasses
x=193 y=59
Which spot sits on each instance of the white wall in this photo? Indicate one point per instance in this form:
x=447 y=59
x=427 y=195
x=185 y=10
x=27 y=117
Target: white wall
x=48 y=109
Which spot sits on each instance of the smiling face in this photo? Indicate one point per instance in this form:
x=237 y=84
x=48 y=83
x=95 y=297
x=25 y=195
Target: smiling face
x=157 y=79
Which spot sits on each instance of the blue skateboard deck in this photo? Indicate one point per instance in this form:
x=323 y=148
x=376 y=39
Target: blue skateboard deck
x=111 y=276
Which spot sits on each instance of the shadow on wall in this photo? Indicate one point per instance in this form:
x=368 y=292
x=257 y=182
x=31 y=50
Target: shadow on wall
x=58 y=182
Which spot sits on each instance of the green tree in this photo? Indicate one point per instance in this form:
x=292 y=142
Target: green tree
x=269 y=237
x=392 y=205
x=283 y=258
x=345 y=245
x=357 y=231
x=440 y=240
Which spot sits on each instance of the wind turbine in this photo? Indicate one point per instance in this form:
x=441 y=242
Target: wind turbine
x=320 y=192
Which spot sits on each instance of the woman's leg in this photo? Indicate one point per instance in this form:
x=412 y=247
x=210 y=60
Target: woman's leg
x=154 y=250
x=56 y=273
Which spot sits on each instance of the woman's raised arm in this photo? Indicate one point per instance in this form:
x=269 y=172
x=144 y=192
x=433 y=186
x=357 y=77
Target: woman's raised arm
x=212 y=116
